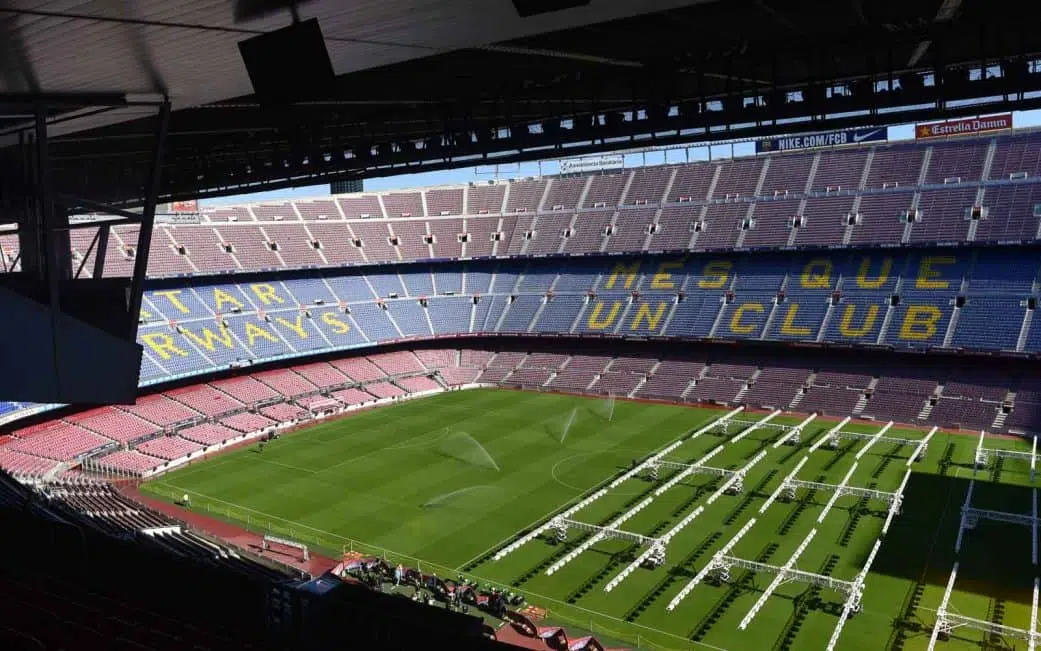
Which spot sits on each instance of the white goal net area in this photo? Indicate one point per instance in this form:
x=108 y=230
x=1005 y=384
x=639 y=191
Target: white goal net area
x=285 y=546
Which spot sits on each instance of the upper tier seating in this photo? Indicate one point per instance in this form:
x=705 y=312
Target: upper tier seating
x=874 y=186
x=927 y=299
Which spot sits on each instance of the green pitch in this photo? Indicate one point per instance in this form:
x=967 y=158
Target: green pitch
x=443 y=482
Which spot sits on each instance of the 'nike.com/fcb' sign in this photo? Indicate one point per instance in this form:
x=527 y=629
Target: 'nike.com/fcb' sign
x=829 y=139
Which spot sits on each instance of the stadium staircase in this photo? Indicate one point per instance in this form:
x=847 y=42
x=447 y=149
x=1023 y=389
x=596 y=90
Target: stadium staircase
x=769 y=319
x=639 y=385
x=930 y=403
x=1002 y=415
x=863 y=401
x=802 y=391
x=581 y=313
x=538 y=313
x=747 y=385
x=949 y=336
x=884 y=330
x=585 y=193
x=1024 y=331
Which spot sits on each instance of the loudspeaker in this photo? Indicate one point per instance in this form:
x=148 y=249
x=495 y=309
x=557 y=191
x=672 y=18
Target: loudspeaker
x=526 y=8
x=289 y=64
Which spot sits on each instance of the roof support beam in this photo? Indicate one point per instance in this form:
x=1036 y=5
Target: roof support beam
x=137 y=285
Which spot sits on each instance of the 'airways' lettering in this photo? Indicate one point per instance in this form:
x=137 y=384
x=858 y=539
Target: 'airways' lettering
x=209 y=337
x=338 y=327
x=171 y=295
x=253 y=332
x=297 y=327
x=266 y=293
x=162 y=345
x=222 y=298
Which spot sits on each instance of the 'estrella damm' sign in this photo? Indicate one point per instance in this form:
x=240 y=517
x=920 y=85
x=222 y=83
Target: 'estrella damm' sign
x=964 y=127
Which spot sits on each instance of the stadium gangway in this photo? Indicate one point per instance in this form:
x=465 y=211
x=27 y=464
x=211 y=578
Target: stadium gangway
x=657 y=552
x=854 y=597
x=546 y=526
x=784 y=574
x=971 y=516
x=983 y=455
x=711 y=566
x=947 y=621
x=794 y=434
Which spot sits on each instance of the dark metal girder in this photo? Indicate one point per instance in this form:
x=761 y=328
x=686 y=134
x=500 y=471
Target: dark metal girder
x=155 y=171
x=75 y=203
x=229 y=179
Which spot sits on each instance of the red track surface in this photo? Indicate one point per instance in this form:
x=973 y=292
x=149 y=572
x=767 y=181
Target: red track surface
x=234 y=535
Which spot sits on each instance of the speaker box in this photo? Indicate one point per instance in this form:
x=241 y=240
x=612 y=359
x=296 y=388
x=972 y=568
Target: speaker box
x=289 y=65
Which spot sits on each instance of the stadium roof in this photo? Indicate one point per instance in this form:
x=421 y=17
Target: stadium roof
x=189 y=50
x=460 y=76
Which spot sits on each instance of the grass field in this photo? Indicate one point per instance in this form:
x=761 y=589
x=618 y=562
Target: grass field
x=445 y=481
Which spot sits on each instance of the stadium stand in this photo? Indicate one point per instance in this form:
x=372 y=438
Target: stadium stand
x=903 y=296
x=907 y=198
